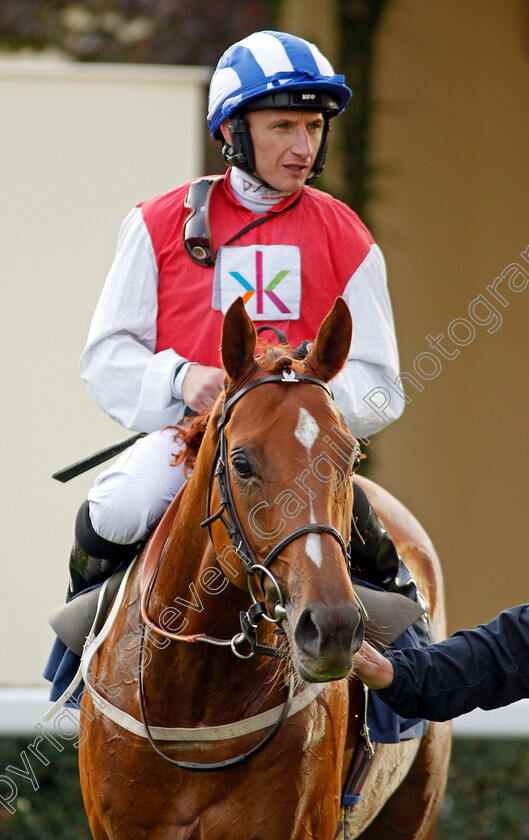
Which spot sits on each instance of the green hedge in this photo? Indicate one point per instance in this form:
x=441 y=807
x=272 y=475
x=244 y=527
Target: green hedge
x=53 y=812
x=487 y=796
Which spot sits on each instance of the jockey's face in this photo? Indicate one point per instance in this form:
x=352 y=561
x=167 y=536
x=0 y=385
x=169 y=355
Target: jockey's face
x=285 y=145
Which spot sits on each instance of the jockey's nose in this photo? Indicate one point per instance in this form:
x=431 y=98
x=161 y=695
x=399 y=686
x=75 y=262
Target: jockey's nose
x=331 y=634
x=301 y=145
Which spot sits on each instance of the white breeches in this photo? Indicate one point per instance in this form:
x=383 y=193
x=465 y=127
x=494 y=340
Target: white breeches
x=129 y=499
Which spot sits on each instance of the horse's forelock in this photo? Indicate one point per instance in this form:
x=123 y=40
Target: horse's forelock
x=275 y=358
x=190 y=435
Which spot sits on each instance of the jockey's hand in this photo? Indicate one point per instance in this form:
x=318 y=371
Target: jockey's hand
x=375 y=670
x=201 y=386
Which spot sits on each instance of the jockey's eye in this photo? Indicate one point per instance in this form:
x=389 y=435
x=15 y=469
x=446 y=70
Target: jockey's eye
x=242 y=466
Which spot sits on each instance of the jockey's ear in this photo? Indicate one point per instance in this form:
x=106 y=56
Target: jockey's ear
x=238 y=341
x=330 y=350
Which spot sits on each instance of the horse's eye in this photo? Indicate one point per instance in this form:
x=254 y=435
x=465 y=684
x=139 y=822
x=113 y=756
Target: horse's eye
x=242 y=466
x=357 y=460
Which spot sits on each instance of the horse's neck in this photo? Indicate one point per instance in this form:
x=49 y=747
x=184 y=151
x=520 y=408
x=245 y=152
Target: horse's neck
x=189 y=576
x=191 y=596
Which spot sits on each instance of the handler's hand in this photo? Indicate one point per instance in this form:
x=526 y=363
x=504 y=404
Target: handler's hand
x=373 y=669
x=201 y=386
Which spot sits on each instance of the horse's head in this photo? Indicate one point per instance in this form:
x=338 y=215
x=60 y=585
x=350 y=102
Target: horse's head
x=289 y=464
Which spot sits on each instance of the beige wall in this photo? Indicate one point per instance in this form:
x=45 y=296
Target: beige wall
x=79 y=146
x=451 y=141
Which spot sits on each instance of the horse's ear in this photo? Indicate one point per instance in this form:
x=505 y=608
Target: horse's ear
x=238 y=341
x=331 y=347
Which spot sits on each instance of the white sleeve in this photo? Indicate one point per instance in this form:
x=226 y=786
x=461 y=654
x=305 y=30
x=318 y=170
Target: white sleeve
x=127 y=379
x=360 y=390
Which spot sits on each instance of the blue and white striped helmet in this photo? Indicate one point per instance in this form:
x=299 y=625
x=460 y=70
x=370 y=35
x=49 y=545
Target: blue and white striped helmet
x=268 y=62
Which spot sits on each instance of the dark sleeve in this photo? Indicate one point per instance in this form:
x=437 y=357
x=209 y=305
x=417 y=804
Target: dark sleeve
x=482 y=668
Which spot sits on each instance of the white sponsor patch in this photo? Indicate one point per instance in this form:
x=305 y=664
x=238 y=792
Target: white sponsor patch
x=267 y=277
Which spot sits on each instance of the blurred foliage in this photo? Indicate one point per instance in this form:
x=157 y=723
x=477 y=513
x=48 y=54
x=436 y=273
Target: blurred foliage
x=53 y=812
x=140 y=31
x=486 y=797
x=358 y=24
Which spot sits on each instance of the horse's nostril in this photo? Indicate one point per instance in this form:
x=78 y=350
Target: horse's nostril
x=307 y=634
x=358 y=635
x=333 y=633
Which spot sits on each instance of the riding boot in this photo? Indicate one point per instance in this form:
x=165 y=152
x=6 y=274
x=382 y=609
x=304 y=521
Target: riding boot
x=93 y=559
x=404 y=584
x=86 y=571
x=380 y=563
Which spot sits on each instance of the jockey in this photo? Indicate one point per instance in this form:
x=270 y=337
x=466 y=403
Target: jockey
x=183 y=257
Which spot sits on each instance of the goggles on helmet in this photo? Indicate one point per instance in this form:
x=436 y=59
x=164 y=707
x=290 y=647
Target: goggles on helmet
x=292 y=100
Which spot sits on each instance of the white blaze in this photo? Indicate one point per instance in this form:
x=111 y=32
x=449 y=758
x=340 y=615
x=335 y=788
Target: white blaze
x=313 y=549
x=307 y=429
x=313 y=543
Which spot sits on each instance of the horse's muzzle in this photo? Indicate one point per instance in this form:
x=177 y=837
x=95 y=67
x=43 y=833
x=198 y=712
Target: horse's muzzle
x=327 y=637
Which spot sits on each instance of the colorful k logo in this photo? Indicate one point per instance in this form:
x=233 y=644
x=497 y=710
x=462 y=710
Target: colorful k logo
x=259 y=290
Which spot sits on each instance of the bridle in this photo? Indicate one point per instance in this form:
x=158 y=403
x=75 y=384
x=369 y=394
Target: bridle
x=229 y=516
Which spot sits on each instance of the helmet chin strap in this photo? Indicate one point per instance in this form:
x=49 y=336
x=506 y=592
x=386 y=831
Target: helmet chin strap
x=233 y=158
x=241 y=152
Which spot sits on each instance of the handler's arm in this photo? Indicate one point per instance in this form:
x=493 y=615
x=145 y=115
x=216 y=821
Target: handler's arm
x=485 y=668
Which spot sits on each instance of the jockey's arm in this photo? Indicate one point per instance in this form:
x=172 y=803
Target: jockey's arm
x=361 y=389
x=136 y=386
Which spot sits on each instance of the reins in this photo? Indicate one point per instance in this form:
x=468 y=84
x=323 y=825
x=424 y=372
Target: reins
x=228 y=763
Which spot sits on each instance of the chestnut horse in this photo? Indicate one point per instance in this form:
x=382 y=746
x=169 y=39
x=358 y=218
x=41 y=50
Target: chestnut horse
x=282 y=493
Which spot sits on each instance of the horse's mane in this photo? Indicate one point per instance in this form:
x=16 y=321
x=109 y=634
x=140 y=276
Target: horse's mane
x=273 y=358
x=190 y=434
